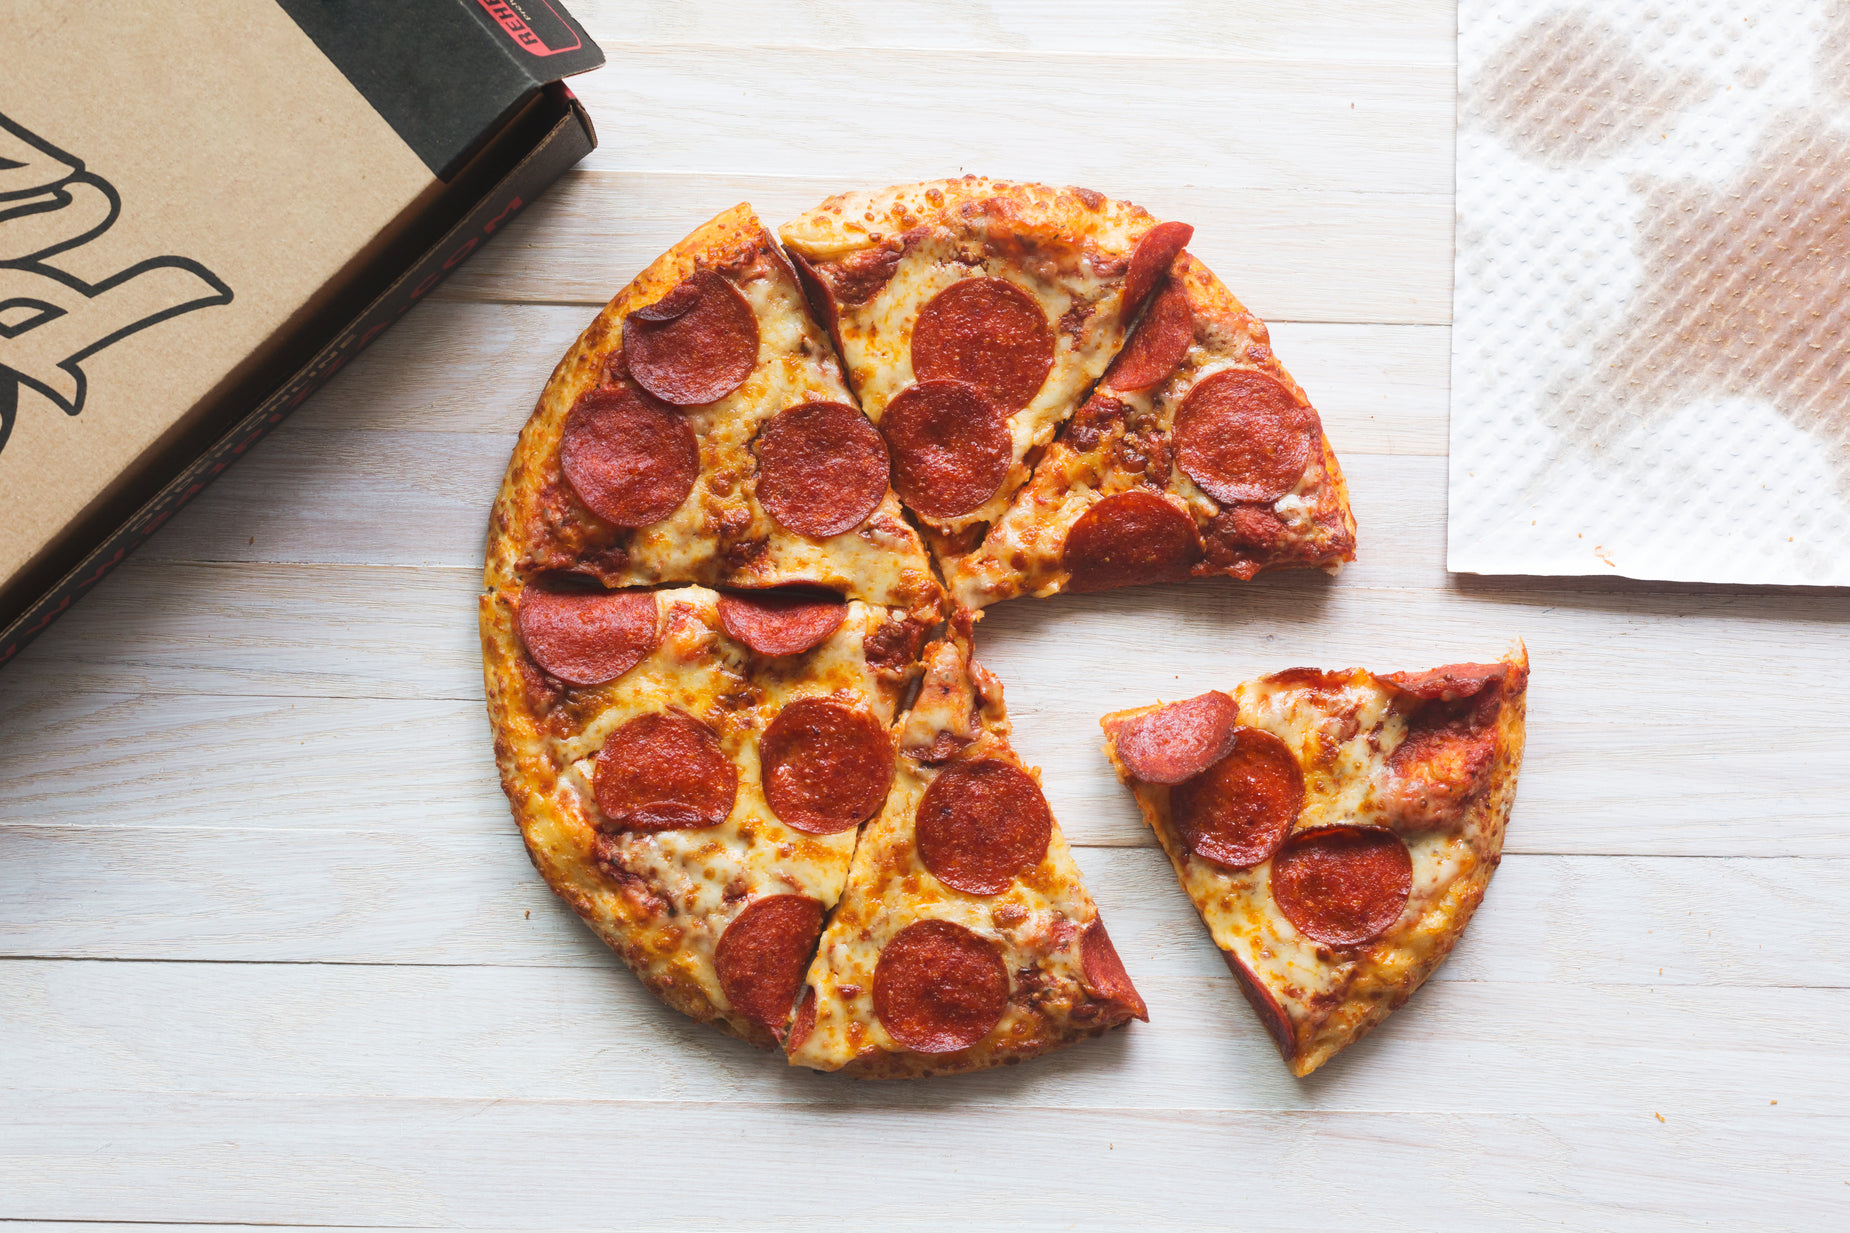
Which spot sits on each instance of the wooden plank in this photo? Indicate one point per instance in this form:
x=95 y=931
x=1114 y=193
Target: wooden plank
x=1338 y=252
x=1240 y=123
x=1390 y=31
x=341 y=1159
x=420 y=894
x=525 y=1033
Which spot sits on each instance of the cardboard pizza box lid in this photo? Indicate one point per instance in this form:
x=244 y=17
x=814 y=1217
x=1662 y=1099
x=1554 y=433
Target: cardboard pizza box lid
x=195 y=198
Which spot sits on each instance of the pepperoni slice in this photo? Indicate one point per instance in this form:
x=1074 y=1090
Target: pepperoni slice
x=630 y=461
x=985 y=332
x=1239 y=810
x=781 y=622
x=1105 y=974
x=662 y=772
x=982 y=824
x=951 y=447
x=695 y=345
x=587 y=638
x=1450 y=683
x=1129 y=539
x=939 y=988
x=1342 y=885
x=1154 y=254
x=804 y=1024
x=1243 y=437
x=1270 y=1013
x=822 y=468
x=1159 y=342
x=762 y=956
x=1181 y=740
x=825 y=765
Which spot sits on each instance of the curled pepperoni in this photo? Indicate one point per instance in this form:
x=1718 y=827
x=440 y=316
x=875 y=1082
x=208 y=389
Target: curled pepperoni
x=781 y=622
x=762 y=956
x=1105 y=975
x=1243 y=437
x=662 y=772
x=982 y=824
x=1450 y=683
x=985 y=332
x=1159 y=342
x=1342 y=885
x=1155 y=253
x=951 y=447
x=825 y=765
x=1129 y=539
x=1239 y=810
x=939 y=988
x=822 y=468
x=588 y=637
x=1181 y=740
x=1270 y=1013
x=630 y=461
x=695 y=345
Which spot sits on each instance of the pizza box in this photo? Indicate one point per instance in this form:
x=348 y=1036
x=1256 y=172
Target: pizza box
x=206 y=210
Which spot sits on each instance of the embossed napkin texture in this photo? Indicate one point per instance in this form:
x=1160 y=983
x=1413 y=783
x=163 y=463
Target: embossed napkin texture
x=1650 y=365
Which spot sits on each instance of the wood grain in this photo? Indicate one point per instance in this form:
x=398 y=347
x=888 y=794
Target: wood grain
x=271 y=951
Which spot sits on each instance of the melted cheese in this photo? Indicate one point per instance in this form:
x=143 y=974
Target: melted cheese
x=1342 y=738
x=678 y=890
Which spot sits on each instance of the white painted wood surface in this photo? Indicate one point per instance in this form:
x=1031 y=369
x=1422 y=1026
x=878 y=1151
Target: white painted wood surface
x=270 y=952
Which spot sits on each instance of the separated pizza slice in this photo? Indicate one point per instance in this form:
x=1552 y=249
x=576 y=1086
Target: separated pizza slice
x=966 y=937
x=1196 y=455
x=699 y=431
x=972 y=316
x=689 y=769
x=1335 y=830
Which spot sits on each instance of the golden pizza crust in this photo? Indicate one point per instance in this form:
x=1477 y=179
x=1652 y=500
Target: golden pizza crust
x=1363 y=985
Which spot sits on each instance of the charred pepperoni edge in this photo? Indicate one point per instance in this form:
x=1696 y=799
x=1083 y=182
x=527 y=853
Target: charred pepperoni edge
x=1271 y=1014
x=1147 y=743
x=1452 y=683
x=1104 y=971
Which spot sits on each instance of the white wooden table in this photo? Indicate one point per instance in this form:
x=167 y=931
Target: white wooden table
x=273 y=953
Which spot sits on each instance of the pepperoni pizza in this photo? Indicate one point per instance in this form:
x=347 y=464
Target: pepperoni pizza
x=1196 y=455
x=1335 y=830
x=689 y=769
x=965 y=936
x=699 y=431
x=972 y=317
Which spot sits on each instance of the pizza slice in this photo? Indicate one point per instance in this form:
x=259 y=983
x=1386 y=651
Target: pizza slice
x=689 y=770
x=972 y=316
x=966 y=937
x=699 y=431
x=1196 y=455
x=1335 y=830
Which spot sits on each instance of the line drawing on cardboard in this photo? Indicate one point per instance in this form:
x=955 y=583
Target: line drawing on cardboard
x=52 y=320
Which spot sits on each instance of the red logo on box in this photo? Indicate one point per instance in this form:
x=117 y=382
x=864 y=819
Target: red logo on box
x=534 y=25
